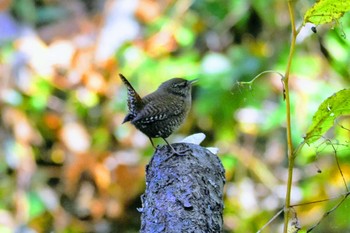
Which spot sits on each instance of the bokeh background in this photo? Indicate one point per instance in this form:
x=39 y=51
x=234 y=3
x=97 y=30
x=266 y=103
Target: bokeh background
x=67 y=164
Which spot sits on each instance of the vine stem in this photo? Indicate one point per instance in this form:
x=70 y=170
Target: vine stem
x=285 y=80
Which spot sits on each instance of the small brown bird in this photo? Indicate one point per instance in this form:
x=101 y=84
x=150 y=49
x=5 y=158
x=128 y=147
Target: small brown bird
x=160 y=113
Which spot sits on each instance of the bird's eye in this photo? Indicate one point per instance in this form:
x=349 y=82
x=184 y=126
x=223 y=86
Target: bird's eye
x=180 y=85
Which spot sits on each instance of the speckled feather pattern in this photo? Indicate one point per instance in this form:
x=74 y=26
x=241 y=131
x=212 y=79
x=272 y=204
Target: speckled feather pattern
x=160 y=113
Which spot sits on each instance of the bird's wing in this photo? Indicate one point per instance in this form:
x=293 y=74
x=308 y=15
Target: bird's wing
x=156 y=110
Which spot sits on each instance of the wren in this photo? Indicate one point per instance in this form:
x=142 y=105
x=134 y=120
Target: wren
x=160 y=113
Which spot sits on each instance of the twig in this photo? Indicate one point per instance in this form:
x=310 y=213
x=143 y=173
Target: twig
x=270 y=221
x=338 y=165
x=345 y=195
x=260 y=74
x=319 y=201
x=328 y=212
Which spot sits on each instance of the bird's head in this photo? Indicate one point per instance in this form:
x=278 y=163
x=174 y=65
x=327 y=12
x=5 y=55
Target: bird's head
x=178 y=86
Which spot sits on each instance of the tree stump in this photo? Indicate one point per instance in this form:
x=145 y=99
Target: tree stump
x=184 y=193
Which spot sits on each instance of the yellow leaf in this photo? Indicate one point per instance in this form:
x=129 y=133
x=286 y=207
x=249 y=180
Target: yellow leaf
x=326 y=11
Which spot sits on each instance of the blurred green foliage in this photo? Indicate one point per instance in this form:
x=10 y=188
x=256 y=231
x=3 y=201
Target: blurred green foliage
x=68 y=165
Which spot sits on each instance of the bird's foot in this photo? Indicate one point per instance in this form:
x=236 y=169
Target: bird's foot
x=181 y=152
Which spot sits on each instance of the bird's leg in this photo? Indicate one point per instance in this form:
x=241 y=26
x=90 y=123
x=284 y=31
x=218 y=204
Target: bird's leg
x=172 y=148
x=152 y=143
x=174 y=151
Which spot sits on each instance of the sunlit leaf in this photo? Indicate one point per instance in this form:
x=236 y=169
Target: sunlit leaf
x=333 y=107
x=87 y=97
x=95 y=82
x=75 y=137
x=101 y=138
x=36 y=206
x=228 y=161
x=38 y=102
x=5 y=229
x=184 y=36
x=326 y=11
x=40 y=91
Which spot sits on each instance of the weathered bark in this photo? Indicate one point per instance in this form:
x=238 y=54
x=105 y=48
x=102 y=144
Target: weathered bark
x=183 y=192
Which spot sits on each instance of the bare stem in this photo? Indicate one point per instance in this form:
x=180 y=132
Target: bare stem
x=291 y=155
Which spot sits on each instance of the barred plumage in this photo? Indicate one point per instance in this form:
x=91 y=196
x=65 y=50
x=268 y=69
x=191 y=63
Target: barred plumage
x=160 y=113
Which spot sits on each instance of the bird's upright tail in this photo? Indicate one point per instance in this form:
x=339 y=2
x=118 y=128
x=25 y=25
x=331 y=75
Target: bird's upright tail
x=134 y=100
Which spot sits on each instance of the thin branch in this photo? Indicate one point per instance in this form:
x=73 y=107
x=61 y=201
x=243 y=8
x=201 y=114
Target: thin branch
x=328 y=141
x=299 y=147
x=270 y=221
x=319 y=201
x=338 y=165
x=260 y=74
x=340 y=125
x=345 y=195
x=328 y=213
x=249 y=83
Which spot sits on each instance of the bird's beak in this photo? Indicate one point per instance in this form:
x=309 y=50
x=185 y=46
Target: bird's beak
x=193 y=81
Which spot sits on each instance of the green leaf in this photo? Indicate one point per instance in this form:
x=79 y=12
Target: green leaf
x=326 y=11
x=336 y=105
x=36 y=205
